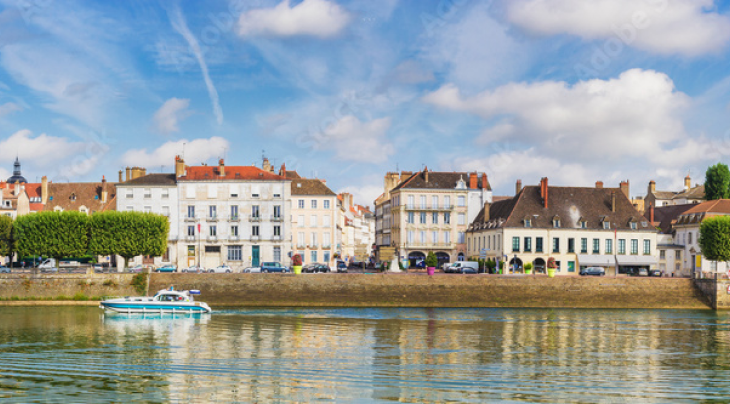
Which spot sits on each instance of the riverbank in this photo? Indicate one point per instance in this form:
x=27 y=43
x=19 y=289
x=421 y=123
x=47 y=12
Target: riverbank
x=366 y=290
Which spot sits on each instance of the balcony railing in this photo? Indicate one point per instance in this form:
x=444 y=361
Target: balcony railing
x=429 y=207
x=418 y=244
x=276 y=238
x=301 y=246
x=234 y=218
x=253 y=218
x=255 y=238
x=191 y=219
x=190 y=238
x=213 y=218
x=233 y=238
x=212 y=238
x=275 y=218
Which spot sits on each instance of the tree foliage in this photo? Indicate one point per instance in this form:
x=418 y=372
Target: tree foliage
x=431 y=260
x=6 y=240
x=128 y=234
x=52 y=234
x=715 y=238
x=717 y=182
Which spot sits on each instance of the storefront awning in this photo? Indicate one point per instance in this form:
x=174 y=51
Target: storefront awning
x=596 y=260
x=636 y=260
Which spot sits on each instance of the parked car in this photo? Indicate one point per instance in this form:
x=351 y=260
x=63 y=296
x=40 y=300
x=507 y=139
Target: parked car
x=4 y=270
x=464 y=267
x=655 y=272
x=136 y=269
x=273 y=267
x=193 y=268
x=251 y=270
x=221 y=269
x=341 y=266
x=639 y=272
x=166 y=268
x=315 y=268
x=593 y=271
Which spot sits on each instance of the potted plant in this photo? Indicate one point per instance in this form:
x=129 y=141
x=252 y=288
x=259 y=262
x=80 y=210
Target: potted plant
x=528 y=268
x=431 y=262
x=551 y=267
x=296 y=263
x=503 y=268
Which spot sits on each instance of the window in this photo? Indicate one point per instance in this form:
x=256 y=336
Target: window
x=584 y=246
x=213 y=249
x=277 y=254
x=609 y=246
x=254 y=230
x=634 y=246
x=277 y=211
x=300 y=221
x=596 y=246
x=191 y=231
x=410 y=236
x=147 y=193
x=326 y=240
x=423 y=201
x=556 y=245
x=647 y=247
x=190 y=191
x=314 y=256
x=313 y=237
x=212 y=191
x=662 y=254
x=234 y=212
x=422 y=237
x=212 y=209
x=435 y=218
x=312 y=220
x=556 y=222
x=435 y=237
x=277 y=231
x=461 y=218
x=234 y=253
x=300 y=239
x=213 y=231
x=255 y=211
x=447 y=218
x=689 y=238
x=234 y=191
x=411 y=203
x=622 y=246
x=461 y=236
x=191 y=211
x=130 y=194
x=326 y=204
x=538 y=244
x=528 y=244
x=423 y=218
x=300 y=203
x=326 y=256
x=461 y=200
x=314 y=204
x=191 y=251
x=632 y=225
x=146 y=209
x=678 y=254
x=606 y=225
x=528 y=223
x=434 y=202
x=583 y=224
x=326 y=221
x=515 y=244
x=411 y=218
x=447 y=237
x=447 y=202
x=571 y=245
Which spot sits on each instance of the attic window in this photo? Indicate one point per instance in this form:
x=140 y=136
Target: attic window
x=206 y=175
x=299 y=184
x=606 y=225
x=632 y=225
x=644 y=224
x=72 y=197
x=528 y=222
x=238 y=175
x=556 y=222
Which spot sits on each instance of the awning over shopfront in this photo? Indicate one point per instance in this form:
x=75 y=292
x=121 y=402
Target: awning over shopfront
x=596 y=260
x=636 y=260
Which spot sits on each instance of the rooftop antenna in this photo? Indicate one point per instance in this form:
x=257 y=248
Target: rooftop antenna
x=183 y=153
x=225 y=150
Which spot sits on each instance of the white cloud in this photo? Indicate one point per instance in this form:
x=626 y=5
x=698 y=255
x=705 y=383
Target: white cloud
x=686 y=27
x=319 y=18
x=43 y=150
x=170 y=113
x=8 y=108
x=357 y=141
x=196 y=151
x=363 y=195
x=634 y=115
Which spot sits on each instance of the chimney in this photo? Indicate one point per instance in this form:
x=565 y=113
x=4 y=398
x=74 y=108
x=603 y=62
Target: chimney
x=120 y=176
x=425 y=174
x=473 y=180
x=484 y=181
x=44 y=189
x=652 y=187
x=179 y=167
x=129 y=174
x=544 y=191
x=323 y=181
x=104 y=192
x=266 y=166
x=17 y=188
x=599 y=184
x=624 y=185
x=518 y=187
x=687 y=183
x=613 y=201
x=143 y=171
x=486 y=212
x=282 y=170
x=221 y=168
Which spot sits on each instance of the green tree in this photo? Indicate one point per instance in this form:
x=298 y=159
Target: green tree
x=715 y=238
x=717 y=182
x=431 y=260
x=6 y=240
x=52 y=234
x=128 y=234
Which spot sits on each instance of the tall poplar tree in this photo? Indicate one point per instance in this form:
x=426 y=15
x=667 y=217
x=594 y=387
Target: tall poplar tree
x=717 y=182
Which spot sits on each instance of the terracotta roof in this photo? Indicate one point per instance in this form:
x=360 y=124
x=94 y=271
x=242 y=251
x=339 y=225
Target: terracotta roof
x=33 y=190
x=570 y=205
x=697 y=192
x=303 y=186
x=438 y=180
x=293 y=174
x=716 y=206
x=153 y=179
x=73 y=195
x=665 y=216
x=199 y=173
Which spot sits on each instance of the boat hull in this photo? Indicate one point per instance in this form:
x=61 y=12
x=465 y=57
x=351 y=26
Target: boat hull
x=156 y=307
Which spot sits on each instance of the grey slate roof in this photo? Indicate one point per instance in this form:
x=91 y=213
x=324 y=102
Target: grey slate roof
x=152 y=179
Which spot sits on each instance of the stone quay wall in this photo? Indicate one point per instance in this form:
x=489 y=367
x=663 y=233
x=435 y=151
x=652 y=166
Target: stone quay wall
x=441 y=290
x=717 y=292
x=19 y=287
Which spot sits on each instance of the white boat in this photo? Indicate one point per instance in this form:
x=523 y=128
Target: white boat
x=165 y=301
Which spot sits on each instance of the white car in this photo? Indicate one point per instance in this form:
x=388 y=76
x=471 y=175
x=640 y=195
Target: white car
x=252 y=270
x=221 y=269
x=194 y=269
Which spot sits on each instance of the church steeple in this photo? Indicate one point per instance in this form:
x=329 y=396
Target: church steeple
x=17 y=176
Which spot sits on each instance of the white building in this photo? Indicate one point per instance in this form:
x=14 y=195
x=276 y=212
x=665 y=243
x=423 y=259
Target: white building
x=577 y=227
x=687 y=233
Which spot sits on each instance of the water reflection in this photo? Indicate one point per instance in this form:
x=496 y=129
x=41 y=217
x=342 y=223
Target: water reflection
x=63 y=354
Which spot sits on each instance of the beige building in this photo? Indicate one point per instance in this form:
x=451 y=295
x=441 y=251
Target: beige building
x=577 y=227
x=356 y=230
x=687 y=195
x=687 y=232
x=428 y=211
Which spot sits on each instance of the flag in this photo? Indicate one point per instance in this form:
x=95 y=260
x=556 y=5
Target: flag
x=198 y=227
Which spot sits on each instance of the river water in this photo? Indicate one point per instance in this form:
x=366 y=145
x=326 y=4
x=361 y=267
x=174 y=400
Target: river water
x=79 y=354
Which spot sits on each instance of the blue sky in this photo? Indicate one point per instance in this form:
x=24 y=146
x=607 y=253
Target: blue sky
x=574 y=90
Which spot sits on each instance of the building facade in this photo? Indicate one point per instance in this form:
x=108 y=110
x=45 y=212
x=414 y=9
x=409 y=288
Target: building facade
x=314 y=220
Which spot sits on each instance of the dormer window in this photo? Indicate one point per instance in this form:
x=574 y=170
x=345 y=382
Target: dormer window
x=583 y=224
x=72 y=197
x=632 y=225
x=528 y=223
x=556 y=222
x=606 y=225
